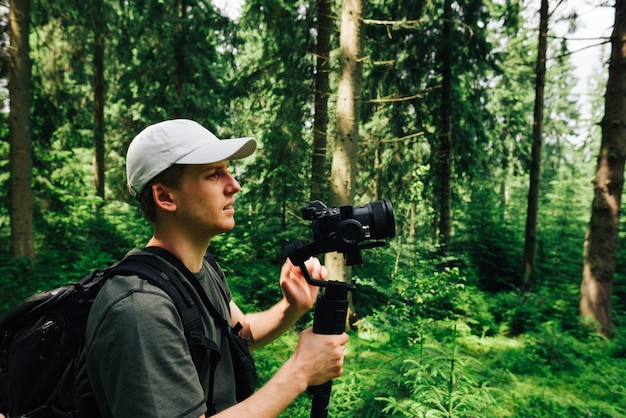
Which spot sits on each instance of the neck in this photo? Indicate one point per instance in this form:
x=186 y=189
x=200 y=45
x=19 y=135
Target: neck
x=188 y=253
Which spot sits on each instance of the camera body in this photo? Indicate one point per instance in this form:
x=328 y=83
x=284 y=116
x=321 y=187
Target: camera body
x=351 y=224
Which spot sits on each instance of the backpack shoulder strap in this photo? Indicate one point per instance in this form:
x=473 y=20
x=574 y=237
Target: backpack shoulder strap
x=194 y=282
x=212 y=261
x=174 y=261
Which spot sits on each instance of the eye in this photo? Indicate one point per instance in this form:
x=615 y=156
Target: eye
x=216 y=172
x=213 y=174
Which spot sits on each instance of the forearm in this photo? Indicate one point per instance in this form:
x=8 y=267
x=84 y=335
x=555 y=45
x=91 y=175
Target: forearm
x=316 y=359
x=298 y=298
x=268 y=325
x=271 y=399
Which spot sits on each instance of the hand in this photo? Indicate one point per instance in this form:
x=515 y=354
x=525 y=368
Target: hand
x=320 y=356
x=297 y=291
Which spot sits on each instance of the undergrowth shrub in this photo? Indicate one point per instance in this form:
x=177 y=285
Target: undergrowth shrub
x=413 y=297
x=538 y=403
x=556 y=350
x=518 y=312
x=70 y=244
x=14 y=281
x=441 y=382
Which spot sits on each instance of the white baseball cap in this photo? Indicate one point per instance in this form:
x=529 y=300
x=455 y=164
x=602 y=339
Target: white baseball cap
x=178 y=141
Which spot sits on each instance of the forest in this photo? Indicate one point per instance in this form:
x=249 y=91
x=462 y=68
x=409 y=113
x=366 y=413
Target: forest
x=502 y=293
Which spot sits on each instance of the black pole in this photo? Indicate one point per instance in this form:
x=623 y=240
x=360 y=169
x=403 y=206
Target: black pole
x=330 y=315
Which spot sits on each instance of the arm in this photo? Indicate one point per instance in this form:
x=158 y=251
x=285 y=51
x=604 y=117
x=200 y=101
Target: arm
x=298 y=298
x=317 y=359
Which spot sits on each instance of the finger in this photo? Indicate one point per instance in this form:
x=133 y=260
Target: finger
x=316 y=269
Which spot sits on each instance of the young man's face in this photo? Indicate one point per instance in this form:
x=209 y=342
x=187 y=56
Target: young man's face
x=204 y=202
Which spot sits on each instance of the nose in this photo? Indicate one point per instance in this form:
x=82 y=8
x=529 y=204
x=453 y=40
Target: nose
x=233 y=184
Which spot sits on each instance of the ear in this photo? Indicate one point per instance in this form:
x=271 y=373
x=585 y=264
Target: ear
x=163 y=198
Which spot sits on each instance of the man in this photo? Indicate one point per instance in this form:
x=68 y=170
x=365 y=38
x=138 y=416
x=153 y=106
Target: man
x=137 y=357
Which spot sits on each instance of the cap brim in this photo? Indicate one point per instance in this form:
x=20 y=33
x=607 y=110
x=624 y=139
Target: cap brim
x=225 y=149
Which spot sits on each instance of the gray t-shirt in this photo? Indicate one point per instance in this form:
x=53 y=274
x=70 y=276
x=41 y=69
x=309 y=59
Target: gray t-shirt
x=138 y=360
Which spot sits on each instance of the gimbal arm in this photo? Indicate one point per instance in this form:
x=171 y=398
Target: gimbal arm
x=330 y=314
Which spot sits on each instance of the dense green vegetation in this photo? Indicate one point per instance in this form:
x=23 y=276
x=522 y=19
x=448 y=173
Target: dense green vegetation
x=450 y=334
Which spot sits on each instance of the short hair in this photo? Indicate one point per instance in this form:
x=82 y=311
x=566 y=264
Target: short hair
x=171 y=177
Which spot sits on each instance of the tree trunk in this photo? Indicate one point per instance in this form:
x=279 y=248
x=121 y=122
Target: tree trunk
x=344 y=155
x=98 y=96
x=601 y=240
x=444 y=155
x=180 y=58
x=320 y=125
x=532 y=211
x=22 y=235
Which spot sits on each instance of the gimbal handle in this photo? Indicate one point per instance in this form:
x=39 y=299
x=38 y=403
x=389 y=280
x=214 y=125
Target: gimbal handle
x=329 y=318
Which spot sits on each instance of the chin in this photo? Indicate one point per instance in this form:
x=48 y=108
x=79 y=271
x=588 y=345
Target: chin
x=224 y=228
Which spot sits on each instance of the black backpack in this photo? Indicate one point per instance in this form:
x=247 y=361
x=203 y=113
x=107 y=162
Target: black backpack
x=42 y=345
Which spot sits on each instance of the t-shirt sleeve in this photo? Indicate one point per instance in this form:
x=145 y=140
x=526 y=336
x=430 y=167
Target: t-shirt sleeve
x=140 y=359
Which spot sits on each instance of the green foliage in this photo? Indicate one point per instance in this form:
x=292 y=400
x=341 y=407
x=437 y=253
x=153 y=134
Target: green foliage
x=545 y=374
x=436 y=336
x=72 y=243
x=491 y=236
x=554 y=374
x=441 y=383
x=414 y=298
x=15 y=281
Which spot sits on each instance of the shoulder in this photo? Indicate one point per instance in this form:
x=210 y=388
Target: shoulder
x=126 y=300
x=131 y=290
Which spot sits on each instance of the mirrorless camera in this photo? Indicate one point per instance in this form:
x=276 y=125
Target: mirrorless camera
x=347 y=230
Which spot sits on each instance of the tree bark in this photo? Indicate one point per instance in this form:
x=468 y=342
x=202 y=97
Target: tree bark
x=532 y=211
x=99 y=96
x=601 y=240
x=22 y=235
x=181 y=42
x=320 y=125
x=444 y=154
x=344 y=155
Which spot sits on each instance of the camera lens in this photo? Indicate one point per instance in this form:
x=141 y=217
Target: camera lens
x=379 y=216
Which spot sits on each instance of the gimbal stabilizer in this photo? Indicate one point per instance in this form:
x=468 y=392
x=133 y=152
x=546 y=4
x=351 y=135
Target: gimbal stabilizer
x=341 y=230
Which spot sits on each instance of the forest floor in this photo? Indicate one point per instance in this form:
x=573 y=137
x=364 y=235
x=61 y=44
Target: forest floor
x=545 y=374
